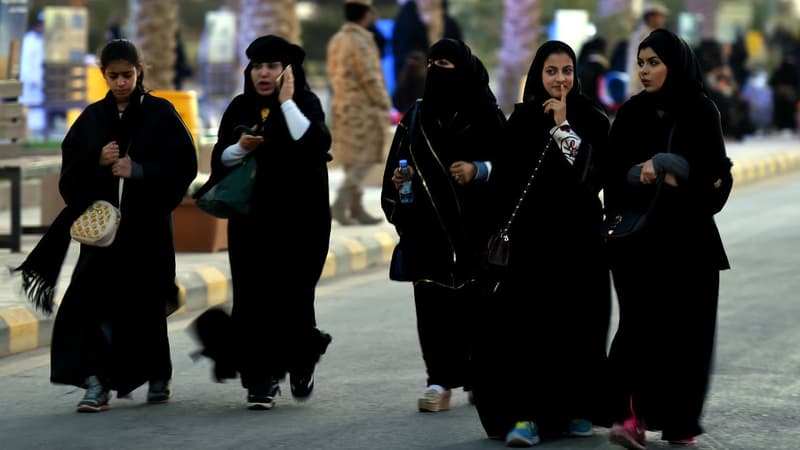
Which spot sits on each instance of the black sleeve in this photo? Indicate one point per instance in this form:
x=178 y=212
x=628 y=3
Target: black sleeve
x=81 y=172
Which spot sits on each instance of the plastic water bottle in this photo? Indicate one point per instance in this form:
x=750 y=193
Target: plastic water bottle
x=406 y=193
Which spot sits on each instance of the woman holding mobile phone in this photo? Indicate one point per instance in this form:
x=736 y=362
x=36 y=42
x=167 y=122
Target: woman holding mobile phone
x=284 y=129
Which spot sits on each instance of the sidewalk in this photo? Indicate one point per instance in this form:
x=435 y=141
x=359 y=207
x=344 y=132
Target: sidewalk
x=204 y=278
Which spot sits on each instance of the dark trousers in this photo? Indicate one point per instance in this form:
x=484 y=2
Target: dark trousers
x=443 y=329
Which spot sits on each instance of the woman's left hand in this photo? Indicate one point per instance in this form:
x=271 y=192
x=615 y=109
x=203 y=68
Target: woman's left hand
x=558 y=107
x=287 y=87
x=463 y=172
x=648 y=175
x=122 y=168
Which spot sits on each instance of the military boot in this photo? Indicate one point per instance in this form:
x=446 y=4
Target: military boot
x=360 y=214
x=341 y=207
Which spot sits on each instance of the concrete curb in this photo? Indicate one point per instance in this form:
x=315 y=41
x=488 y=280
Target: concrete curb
x=23 y=329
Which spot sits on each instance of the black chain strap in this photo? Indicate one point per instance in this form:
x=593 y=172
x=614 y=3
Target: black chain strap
x=504 y=231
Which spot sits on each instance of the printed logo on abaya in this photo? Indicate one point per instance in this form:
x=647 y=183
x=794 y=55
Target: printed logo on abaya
x=569 y=147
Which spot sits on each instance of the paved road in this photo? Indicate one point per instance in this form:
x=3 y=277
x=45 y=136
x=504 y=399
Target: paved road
x=368 y=381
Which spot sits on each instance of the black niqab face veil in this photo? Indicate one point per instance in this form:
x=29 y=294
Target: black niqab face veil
x=534 y=88
x=684 y=77
x=465 y=86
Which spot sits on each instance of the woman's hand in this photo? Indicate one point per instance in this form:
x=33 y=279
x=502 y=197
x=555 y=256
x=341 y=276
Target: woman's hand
x=250 y=142
x=122 y=167
x=670 y=179
x=109 y=154
x=287 y=86
x=648 y=175
x=398 y=178
x=463 y=172
x=558 y=107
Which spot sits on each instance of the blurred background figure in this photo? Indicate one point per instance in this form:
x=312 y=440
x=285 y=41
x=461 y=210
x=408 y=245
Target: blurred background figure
x=411 y=84
x=410 y=33
x=360 y=107
x=31 y=74
x=452 y=29
x=654 y=15
x=592 y=68
x=785 y=84
x=724 y=90
x=182 y=67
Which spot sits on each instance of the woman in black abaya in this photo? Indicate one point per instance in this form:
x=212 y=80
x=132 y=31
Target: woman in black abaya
x=666 y=277
x=541 y=358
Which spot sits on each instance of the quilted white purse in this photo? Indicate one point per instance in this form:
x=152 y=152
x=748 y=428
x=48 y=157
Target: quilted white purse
x=98 y=225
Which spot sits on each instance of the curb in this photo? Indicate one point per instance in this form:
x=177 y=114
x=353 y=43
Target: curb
x=23 y=329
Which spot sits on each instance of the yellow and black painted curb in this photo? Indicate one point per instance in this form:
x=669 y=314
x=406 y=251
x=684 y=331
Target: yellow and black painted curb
x=750 y=171
x=23 y=329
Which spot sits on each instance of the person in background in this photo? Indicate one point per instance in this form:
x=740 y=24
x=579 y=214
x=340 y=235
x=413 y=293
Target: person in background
x=360 y=107
x=541 y=350
x=411 y=84
x=448 y=139
x=668 y=147
x=278 y=121
x=182 y=67
x=31 y=74
x=410 y=33
x=452 y=29
x=110 y=332
x=654 y=16
x=592 y=68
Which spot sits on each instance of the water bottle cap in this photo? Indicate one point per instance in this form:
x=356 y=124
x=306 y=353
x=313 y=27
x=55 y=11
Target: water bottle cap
x=403 y=163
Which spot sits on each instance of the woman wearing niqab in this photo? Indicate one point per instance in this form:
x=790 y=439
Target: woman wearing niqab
x=541 y=355
x=666 y=276
x=448 y=138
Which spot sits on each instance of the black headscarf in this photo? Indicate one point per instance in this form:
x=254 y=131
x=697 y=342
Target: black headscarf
x=465 y=87
x=684 y=77
x=273 y=48
x=534 y=88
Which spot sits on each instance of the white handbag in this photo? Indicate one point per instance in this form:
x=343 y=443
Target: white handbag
x=97 y=226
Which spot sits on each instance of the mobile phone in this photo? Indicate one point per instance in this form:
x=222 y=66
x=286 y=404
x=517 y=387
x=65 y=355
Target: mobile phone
x=279 y=78
x=244 y=129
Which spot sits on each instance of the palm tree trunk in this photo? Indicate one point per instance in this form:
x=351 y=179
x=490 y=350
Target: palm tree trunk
x=520 y=39
x=156 y=22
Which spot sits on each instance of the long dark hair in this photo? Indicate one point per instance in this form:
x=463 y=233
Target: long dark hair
x=122 y=50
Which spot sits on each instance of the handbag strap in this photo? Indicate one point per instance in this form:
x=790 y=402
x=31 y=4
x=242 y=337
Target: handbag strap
x=504 y=231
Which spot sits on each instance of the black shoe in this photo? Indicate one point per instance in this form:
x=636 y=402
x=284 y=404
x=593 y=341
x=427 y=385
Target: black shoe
x=262 y=397
x=301 y=378
x=302 y=384
x=96 y=397
x=159 y=391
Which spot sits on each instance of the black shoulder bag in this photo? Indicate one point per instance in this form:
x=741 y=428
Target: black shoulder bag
x=622 y=224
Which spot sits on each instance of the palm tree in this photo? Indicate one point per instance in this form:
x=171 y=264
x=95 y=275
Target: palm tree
x=156 y=24
x=519 y=41
x=260 y=17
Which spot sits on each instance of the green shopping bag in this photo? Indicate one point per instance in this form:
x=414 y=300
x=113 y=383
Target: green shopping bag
x=232 y=194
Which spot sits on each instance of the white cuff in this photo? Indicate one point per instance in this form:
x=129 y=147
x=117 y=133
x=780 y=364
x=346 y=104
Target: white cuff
x=233 y=155
x=297 y=122
x=567 y=141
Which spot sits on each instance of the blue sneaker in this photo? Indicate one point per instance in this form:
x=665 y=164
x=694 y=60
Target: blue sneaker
x=524 y=434
x=580 y=427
